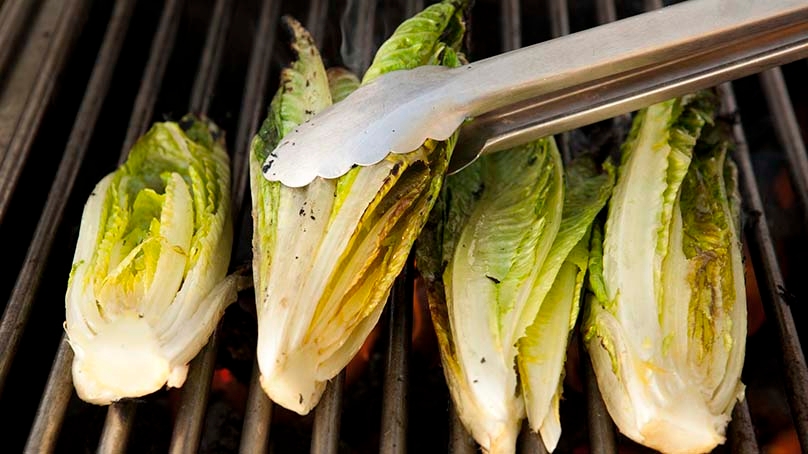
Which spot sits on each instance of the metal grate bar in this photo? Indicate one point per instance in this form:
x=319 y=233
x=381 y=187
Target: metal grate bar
x=159 y=54
x=788 y=132
x=530 y=442
x=120 y=415
x=117 y=427
x=64 y=35
x=59 y=386
x=511 y=20
x=559 y=18
x=364 y=12
x=601 y=428
x=396 y=380
x=606 y=11
x=208 y=72
x=767 y=270
x=316 y=20
x=257 y=418
x=460 y=441
x=195 y=392
x=412 y=7
x=18 y=308
x=651 y=5
x=13 y=15
x=194 y=396
x=51 y=412
x=741 y=431
x=327 y=416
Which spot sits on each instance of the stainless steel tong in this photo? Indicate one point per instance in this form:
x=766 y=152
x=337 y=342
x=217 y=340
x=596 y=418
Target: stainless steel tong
x=546 y=88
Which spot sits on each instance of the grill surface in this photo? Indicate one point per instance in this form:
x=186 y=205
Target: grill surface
x=80 y=78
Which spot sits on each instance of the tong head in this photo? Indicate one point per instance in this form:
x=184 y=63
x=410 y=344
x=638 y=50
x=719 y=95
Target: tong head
x=392 y=114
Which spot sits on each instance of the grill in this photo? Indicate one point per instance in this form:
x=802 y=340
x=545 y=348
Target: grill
x=82 y=79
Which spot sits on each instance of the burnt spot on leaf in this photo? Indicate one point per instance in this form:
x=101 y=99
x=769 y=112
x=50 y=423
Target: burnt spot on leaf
x=186 y=123
x=479 y=191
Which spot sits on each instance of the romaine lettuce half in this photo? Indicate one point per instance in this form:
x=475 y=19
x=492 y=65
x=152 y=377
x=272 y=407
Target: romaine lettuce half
x=148 y=282
x=325 y=255
x=666 y=326
x=504 y=255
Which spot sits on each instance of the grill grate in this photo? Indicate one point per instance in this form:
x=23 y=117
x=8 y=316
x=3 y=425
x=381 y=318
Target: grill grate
x=19 y=21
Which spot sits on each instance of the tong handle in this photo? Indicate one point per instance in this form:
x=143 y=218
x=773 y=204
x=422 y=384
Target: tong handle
x=619 y=67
